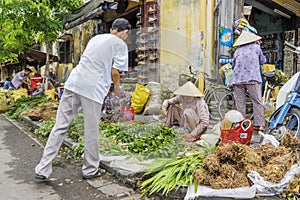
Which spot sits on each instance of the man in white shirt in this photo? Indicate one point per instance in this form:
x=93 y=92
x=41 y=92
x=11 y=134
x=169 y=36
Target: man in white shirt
x=105 y=55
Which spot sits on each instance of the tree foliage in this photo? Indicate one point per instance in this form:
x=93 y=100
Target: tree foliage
x=26 y=22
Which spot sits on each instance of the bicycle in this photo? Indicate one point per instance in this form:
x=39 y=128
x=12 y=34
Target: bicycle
x=213 y=91
x=271 y=89
x=227 y=103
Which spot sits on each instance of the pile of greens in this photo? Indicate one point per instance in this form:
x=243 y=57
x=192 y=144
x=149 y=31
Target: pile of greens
x=127 y=138
x=138 y=139
x=24 y=103
x=75 y=130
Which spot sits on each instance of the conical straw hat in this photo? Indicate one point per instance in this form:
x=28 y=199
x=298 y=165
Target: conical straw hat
x=245 y=38
x=189 y=89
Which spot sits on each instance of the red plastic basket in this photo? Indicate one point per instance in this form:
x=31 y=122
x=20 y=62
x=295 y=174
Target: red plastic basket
x=128 y=113
x=241 y=134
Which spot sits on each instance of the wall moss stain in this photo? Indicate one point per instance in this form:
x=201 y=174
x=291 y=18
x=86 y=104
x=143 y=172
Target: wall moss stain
x=168 y=4
x=180 y=36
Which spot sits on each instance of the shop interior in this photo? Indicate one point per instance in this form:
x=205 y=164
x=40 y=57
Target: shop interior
x=278 y=25
x=142 y=42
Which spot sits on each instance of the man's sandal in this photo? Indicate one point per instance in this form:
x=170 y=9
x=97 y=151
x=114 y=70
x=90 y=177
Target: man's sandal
x=39 y=177
x=99 y=173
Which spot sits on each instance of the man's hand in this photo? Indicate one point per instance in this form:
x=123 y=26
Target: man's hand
x=118 y=90
x=25 y=82
x=188 y=137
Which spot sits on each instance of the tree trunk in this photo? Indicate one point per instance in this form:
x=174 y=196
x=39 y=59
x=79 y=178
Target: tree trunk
x=46 y=73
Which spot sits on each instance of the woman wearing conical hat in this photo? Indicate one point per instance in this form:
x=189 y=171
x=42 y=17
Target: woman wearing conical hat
x=192 y=115
x=246 y=76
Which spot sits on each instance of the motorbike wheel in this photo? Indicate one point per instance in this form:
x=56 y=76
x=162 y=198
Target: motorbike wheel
x=291 y=123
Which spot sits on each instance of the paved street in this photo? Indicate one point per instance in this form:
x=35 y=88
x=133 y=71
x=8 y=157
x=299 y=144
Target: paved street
x=19 y=153
x=14 y=178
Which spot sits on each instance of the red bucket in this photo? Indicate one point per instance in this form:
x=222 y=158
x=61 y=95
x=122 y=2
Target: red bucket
x=241 y=134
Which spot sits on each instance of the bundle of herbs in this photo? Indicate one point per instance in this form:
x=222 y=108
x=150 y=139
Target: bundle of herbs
x=169 y=174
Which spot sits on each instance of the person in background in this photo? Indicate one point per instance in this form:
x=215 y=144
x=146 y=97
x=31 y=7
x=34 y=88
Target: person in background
x=246 y=77
x=39 y=90
x=51 y=77
x=193 y=116
x=36 y=78
x=104 y=57
x=21 y=78
x=8 y=84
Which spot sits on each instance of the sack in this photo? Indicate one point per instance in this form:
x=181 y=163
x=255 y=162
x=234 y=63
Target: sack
x=153 y=105
x=50 y=94
x=18 y=93
x=3 y=103
x=226 y=72
x=241 y=134
x=117 y=108
x=139 y=98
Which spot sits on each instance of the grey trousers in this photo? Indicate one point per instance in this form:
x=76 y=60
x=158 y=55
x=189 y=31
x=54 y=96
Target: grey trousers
x=254 y=91
x=67 y=110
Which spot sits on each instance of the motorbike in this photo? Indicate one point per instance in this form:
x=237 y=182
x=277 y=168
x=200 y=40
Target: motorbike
x=286 y=118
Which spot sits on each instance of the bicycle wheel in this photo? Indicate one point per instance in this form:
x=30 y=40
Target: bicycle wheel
x=212 y=99
x=227 y=103
x=271 y=95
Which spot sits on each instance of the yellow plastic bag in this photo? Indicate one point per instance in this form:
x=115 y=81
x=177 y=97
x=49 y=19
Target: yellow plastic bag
x=139 y=98
x=50 y=94
x=3 y=103
x=18 y=93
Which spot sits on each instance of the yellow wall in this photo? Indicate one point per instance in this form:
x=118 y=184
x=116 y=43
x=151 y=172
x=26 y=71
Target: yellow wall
x=183 y=39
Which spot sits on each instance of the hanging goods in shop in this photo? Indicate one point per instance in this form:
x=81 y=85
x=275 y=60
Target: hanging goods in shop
x=226 y=37
x=241 y=25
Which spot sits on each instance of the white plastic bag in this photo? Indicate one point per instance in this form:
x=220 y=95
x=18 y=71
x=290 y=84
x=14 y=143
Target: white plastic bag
x=266 y=188
x=268 y=138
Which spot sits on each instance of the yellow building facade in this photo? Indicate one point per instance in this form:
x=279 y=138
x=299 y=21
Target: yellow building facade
x=186 y=39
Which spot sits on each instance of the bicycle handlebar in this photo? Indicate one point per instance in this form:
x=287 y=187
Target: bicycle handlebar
x=196 y=73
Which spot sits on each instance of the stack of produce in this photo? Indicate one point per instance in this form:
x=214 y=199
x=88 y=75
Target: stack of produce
x=228 y=166
x=44 y=111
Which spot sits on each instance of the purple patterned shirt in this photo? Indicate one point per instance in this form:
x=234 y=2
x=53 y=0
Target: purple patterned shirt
x=246 y=64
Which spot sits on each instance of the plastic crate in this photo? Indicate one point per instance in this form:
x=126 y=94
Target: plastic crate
x=268 y=67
